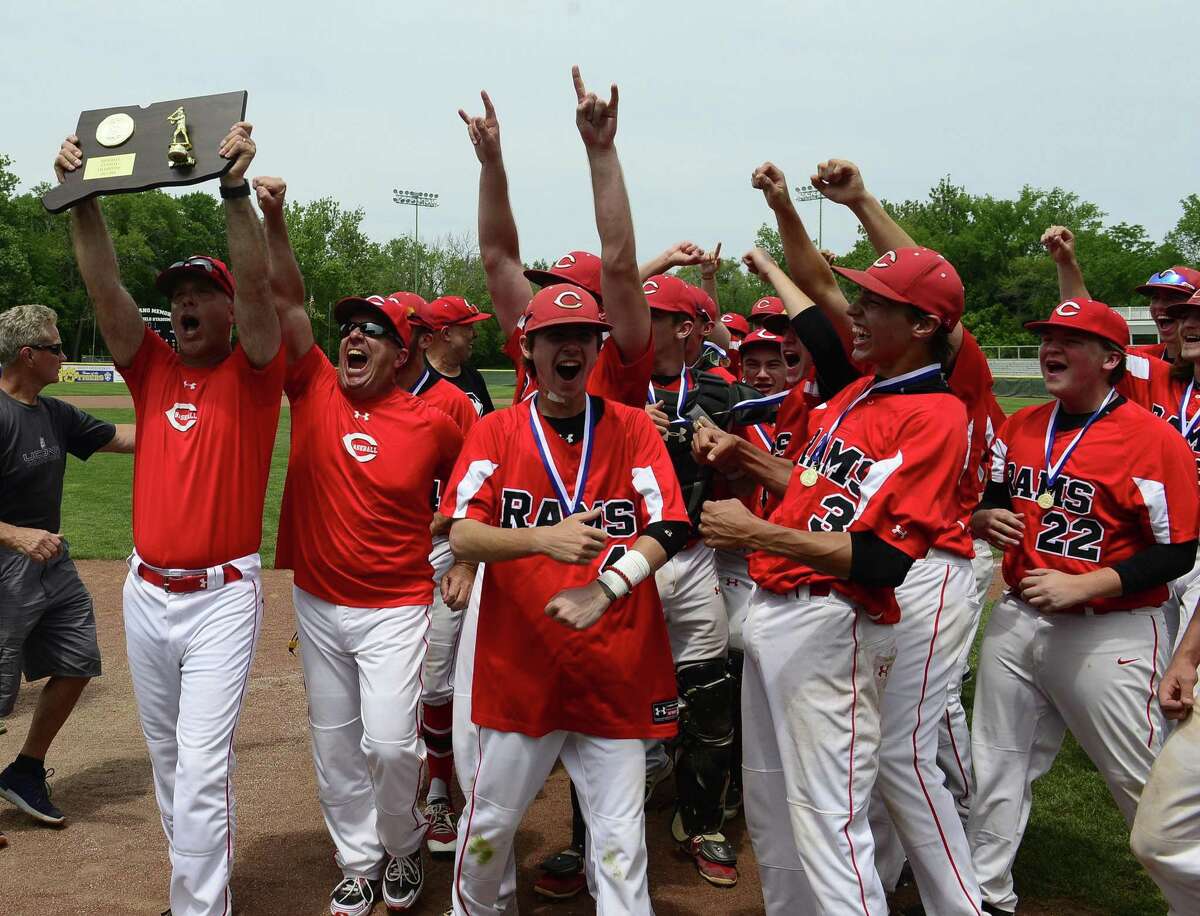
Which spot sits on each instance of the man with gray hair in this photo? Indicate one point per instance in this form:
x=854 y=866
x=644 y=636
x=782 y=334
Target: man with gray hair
x=47 y=624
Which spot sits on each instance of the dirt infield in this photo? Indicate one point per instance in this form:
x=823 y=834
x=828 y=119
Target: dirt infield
x=111 y=858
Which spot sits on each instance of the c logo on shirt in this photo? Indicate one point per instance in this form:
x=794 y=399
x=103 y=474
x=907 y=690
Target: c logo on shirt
x=361 y=446
x=568 y=300
x=885 y=260
x=182 y=416
x=1068 y=309
x=567 y=260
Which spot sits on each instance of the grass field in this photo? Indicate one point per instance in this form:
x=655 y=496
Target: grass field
x=1074 y=851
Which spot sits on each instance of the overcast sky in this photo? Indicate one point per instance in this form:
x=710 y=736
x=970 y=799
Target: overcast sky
x=354 y=98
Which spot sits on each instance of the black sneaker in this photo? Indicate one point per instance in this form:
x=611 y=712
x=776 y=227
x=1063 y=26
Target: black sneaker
x=353 y=897
x=31 y=794
x=402 y=882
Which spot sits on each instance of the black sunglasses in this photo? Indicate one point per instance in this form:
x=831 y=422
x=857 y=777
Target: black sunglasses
x=371 y=329
x=196 y=261
x=56 y=349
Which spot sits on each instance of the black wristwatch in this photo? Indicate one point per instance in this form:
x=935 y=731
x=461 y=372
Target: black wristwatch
x=240 y=190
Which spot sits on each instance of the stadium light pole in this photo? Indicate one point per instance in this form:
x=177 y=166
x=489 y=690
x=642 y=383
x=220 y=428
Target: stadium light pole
x=807 y=195
x=416 y=200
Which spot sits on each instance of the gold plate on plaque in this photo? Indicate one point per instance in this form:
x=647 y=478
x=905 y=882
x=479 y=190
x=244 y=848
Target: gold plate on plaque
x=114 y=130
x=108 y=166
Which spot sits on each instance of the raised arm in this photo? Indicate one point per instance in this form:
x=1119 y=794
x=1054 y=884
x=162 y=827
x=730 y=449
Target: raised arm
x=840 y=181
x=620 y=280
x=499 y=247
x=117 y=314
x=709 y=266
x=287 y=283
x=253 y=311
x=1059 y=242
x=681 y=254
x=809 y=269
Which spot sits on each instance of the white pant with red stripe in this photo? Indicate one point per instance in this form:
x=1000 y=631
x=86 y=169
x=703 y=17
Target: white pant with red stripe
x=362 y=676
x=609 y=775
x=737 y=588
x=1039 y=675
x=438 y=680
x=954 y=735
x=466 y=733
x=912 y=811
x=811 y=692
x=189 y=657
x=1166 y=831
x=1181 y=604
x=691 y=598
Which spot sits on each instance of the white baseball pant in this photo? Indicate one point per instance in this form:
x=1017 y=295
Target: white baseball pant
x=438 y=679
x=737 y=588
x=1166 y=830
x=954 y=734
x=608 y=776
x=189 y=658
x=362 y=676
x=912 y=811
x=1040 y=674
x=811 y=692
x=1181 y=604
x=691 y=600
x=466 y=733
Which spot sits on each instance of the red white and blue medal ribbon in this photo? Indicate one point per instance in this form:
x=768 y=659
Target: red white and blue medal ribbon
x=767 y=440
x=415 y=389
x=765 y=401
x=570 y=503
x=651 y=398
x=1186 y=426
x=1054 y=471
x=816 y=460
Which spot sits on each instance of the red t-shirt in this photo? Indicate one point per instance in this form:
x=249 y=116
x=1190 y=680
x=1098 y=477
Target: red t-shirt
x=1157 y=350
x=893 y=467
x=358 y=500
x=203 y=454
x=450 y=399
x=1114 y=500
x=532 y=674
x=612 y=378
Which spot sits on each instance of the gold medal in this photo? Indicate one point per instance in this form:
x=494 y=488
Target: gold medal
x=809 y=477
x=1045 y=500
x=114 y=130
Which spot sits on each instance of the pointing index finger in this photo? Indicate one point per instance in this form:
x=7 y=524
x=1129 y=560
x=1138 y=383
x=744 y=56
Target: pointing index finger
x=577 y=78
x=612 y=101
x=488 y=109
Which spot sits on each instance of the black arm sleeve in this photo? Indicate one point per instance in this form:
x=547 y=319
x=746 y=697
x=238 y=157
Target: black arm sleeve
x=820 y=338
x=671 y=535
x=996 y=496
x=82 y=434
x=1155 y=566
x=875 y=562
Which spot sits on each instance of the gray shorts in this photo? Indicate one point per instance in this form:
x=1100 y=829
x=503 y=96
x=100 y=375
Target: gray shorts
x=47 y=623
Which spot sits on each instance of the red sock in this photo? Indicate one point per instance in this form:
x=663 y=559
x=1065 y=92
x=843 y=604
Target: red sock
x=436 y=725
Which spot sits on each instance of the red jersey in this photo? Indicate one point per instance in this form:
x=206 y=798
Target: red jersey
x=612 y=378
x=203 y=454
x=358 y=500
x=616 y=678
x=1112 y=502
x=892 y=467
x=1157 y=350
x=971 y=382
x=450 y=400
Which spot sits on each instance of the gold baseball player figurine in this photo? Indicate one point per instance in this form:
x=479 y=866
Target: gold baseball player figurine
x=179 y=153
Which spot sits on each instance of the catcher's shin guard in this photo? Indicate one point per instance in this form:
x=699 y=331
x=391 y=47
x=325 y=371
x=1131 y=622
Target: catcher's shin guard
x=706 y=728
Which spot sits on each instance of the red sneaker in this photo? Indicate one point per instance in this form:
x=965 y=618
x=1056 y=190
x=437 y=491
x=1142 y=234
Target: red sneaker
x=714 y=857
x=441 y=836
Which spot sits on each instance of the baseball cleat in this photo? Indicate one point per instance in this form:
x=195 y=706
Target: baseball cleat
x=562 y=875
x=996 y=911
x=353 y=897
x=403 y=880
x=441 y=836
x=31 y=794
x=714 y=857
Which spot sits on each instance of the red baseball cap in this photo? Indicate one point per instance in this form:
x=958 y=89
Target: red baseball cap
x=667 y=293
x=1177 y=309
x=767 y=306
x=919 y=277
x=562 y=303
x=579 y=268
x=1177 y=279
x=390 y=309
x=414 y=307
x=703 y=302
x=761 y=336
x=447 y=310
x=737 y=324
x=198 y=265
x=1089 y=316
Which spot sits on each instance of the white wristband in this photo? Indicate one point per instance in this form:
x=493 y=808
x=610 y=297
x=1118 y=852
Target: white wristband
x=624 y=575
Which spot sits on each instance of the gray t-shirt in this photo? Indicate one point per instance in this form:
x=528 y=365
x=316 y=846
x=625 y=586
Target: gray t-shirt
x=34 y=442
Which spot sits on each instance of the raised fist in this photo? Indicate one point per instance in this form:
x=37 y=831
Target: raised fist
x=238 y=146
x=840 y=181
x=484 y=132
x=595 y=118
x=769 y=179
x=757 y=261
x=69 y=158
x=683 y=254
x=271 y=192
x=1059 y=243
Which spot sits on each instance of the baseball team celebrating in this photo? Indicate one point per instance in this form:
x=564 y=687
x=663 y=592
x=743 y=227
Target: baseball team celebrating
x=745 y=554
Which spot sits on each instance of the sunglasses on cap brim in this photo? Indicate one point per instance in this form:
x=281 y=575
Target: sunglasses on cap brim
x=372 y=329
x=1171 y=278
